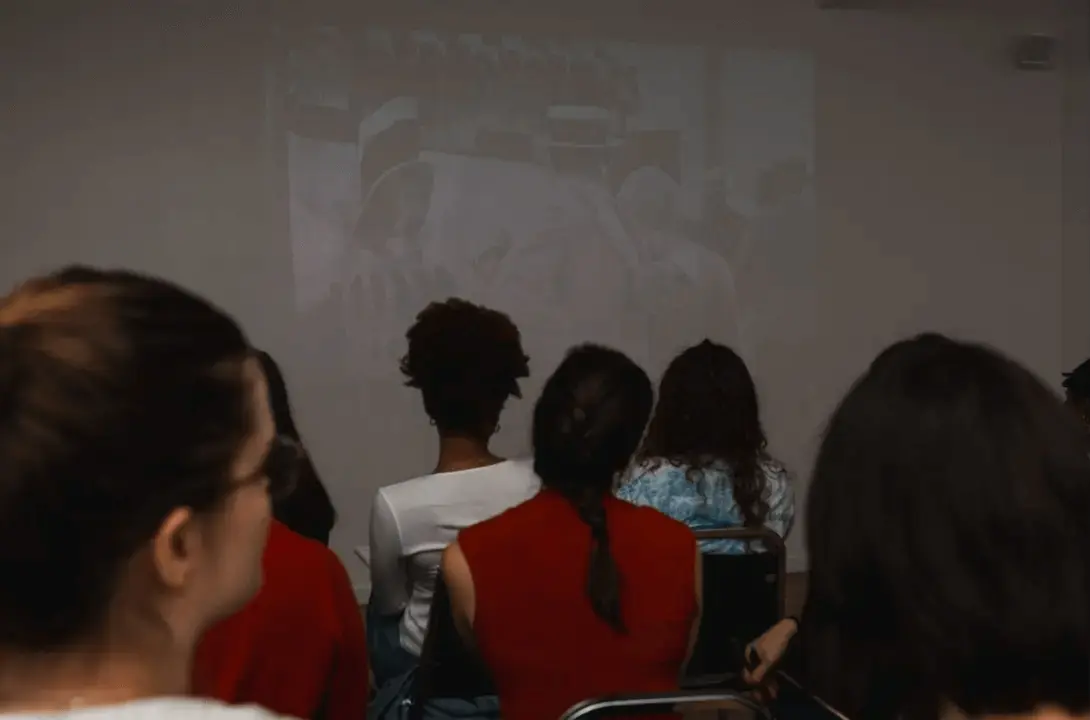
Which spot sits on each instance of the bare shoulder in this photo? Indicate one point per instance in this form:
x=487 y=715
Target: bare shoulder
x=453 y=564
x=456 y=573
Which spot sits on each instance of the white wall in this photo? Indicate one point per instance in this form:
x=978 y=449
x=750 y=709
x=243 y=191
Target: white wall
x=941 y=188
x=1076 y=183
x=952 y=189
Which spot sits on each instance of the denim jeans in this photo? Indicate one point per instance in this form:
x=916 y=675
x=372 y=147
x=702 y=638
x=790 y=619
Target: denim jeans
x=388 y=659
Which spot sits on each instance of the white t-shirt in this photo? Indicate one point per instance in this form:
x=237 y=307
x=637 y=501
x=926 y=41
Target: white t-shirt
x=157 y=709
x=413 y=521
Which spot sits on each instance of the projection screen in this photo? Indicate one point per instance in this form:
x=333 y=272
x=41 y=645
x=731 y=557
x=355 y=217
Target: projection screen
x=644 y=196
x=636 y=195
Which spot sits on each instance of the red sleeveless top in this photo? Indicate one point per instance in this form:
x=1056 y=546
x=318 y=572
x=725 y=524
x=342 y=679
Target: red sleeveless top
x=534 y=624
x=298 y=648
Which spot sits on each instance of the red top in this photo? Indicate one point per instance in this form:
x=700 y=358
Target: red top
x=534 y=624
x=298 y=648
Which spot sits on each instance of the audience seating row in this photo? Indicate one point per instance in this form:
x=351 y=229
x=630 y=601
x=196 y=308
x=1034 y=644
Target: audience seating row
x=743 y=596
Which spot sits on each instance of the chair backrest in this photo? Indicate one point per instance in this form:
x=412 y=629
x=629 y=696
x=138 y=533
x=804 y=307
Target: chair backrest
x=743 y=596
x=448 y=668
x=663 y=703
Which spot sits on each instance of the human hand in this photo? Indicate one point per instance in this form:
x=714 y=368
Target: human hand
x=767 y=650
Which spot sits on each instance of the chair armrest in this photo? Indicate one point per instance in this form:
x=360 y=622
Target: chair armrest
x=717 y=681
x=660 y=703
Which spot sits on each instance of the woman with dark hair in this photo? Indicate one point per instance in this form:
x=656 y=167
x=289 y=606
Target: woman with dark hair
x=137 y=456
x=308 y=509
x=575 y=594
x=949 y=545
x=703 y=461
x=466 y=361
x=299 y=646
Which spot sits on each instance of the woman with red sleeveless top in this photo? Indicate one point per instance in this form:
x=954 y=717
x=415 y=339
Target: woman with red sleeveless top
x=575 y=594
x=298 y=648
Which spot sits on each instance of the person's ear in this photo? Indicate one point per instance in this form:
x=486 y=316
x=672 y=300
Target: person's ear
x=176 y=547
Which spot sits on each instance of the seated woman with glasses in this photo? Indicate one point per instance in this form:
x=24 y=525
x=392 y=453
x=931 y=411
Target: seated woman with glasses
x=136 y=448
x=299 y=646
x=703 y=461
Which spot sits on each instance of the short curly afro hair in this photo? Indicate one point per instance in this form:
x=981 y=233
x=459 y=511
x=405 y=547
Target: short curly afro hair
x=466 y=360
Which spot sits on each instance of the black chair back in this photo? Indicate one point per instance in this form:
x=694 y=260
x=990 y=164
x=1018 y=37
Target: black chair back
x=448 y=667
x=743 y=597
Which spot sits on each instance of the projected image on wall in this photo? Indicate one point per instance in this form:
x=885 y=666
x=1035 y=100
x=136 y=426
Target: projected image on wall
x=639 y=196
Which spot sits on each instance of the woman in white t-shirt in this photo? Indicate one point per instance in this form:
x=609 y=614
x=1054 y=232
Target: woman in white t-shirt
x=136 y=454
x=466 y=360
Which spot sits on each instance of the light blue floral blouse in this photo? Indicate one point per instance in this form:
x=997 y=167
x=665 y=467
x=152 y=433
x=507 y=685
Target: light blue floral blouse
x=708 y=503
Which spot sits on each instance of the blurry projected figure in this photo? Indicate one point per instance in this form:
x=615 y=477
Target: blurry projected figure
x=679 y=278
x=598 y=191
x=574 y=273
x=384 y=280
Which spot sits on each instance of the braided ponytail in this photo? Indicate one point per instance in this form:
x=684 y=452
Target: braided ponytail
x=587 y=423
x=603 y=579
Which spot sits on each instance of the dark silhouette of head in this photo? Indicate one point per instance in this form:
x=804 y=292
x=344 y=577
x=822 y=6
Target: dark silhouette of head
x=948 y=541
x=707 y=416
x=135 y=437
x=1077 y=391
x=308 y=509
x=466 y=360
x=278 y=397
x=587 y=423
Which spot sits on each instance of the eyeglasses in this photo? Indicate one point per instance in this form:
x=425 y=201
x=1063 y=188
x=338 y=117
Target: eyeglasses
x=282 y=466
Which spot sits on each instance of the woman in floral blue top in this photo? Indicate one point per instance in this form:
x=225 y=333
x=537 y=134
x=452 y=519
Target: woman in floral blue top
x=703 y=461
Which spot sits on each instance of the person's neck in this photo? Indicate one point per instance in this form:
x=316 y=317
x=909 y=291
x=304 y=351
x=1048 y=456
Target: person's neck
x=60 y=681
x=463 y=453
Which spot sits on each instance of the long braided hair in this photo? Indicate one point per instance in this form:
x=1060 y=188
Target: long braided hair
x=707 y=416
x=587 y=423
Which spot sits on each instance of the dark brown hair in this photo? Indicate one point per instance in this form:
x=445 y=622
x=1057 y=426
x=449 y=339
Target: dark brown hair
x=587 y=423
x=122 y=397
x=466 y=360
x=308 y=509
x=707 y=416
x=948 y=541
